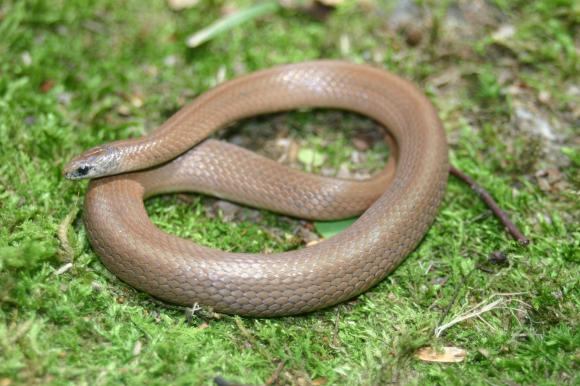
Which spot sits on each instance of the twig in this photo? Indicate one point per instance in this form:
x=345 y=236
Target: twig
x=493 y=206
x=274 y=377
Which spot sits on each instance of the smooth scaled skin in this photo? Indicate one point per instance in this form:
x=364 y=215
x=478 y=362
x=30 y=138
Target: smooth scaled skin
x=399 y=204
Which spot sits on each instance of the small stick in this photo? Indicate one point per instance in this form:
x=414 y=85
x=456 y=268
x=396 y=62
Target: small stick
x=493 y=206
x=274 y=377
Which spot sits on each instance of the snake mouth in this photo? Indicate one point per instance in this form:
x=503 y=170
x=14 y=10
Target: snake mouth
x=95 y=162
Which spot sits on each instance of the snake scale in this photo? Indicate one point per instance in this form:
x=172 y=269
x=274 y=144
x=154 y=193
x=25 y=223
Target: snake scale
x=398 y=205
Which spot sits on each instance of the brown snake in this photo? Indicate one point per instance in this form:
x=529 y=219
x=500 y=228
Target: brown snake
x=402 y=201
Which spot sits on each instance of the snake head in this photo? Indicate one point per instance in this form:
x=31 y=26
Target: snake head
x=97 y=162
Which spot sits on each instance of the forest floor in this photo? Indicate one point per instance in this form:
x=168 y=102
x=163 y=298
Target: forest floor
x=503 y=76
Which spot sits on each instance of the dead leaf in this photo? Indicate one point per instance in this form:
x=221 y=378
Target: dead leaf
x=446 y=355
x=331 y=3
x=178 y=5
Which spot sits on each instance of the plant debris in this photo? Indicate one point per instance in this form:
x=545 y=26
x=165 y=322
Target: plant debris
x=444 y=355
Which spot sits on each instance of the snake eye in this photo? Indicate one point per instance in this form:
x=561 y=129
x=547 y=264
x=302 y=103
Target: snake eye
x=83 y=171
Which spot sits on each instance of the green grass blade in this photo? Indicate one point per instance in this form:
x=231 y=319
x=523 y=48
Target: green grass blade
x=231 y=21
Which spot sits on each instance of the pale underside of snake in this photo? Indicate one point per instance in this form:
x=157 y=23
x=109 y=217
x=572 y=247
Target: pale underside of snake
x=398 y=205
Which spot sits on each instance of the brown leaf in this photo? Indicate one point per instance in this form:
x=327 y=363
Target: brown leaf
x=446 y=355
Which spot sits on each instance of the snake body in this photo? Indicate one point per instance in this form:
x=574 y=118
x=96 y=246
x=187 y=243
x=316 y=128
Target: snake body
x=402 y=201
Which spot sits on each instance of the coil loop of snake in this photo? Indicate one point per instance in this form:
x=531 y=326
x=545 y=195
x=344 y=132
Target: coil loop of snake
x=399 y=204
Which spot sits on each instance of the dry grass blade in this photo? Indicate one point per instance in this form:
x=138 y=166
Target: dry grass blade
x=474 y=312
x=67 y=251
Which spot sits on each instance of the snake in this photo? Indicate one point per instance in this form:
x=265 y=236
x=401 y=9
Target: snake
x=397 y=206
